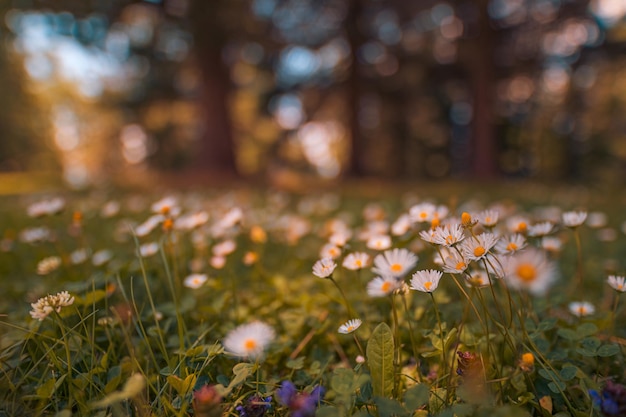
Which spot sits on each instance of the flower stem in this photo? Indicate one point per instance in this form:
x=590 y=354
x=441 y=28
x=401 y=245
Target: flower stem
x=444 y=361
x=345 y=299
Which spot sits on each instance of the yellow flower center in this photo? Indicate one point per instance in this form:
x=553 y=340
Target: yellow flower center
x=466 y=218
x=527 y=272
x=435 y=222
x=423 y=215
x=528 y=359
x=396 y=267
x=385 y=286
x=349 y=328
x=487 y=219
x=581 y=310
x=479 y=251
x=358 y=263
x=522 y=226
x=460 y=266
x=428 y=285
x=511 y=246
x=620 y=286
x=250 y=344
x=450 y=239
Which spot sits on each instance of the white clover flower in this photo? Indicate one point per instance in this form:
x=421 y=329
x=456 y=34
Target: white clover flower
x=426 y=280
x=324 y=268
x=382 y=286
x=48 y=265
x=46 y=305
x=581 y=308
x=249 y=340
x=573 y=218
x=356 y=260
x=350 y=326
x=396 y=262
x=195 y=281
x=617 y=282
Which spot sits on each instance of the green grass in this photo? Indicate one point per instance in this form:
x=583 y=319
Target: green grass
x=137 y=342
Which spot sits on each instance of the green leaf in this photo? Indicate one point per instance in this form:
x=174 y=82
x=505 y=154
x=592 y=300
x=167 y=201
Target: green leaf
x=568 y=372
x=586 y=329
x=297 y=363
x=242 y=372
x=567 y=334
x=342 y=381
x=182 y=386
x=387 y=407
x=556 y=387
x=93 y=297
x=46 y=389
x=328 y=411
x=416 y=396
x=547 y=324
x=380 y=360
x=608 y=350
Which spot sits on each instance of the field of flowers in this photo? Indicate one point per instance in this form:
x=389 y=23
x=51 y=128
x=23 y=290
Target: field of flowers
x=252 y=304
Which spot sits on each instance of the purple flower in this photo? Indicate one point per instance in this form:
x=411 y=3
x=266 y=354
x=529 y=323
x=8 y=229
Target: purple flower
x=255 y=406
x=300 y=404
x=611 y=400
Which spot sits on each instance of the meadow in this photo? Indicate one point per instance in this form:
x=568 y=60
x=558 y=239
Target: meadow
x=248 y=303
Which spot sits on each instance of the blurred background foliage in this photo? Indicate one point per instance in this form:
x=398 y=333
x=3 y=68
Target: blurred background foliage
x=285 y=90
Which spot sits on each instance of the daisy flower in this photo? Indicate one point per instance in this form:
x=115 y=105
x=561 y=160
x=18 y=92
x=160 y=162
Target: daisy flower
x=379 y=242
x=249 y=340
x=149 y=225
x=349 y=326
x=511 y=244
x=428 y=235
x=422 y=213
x=330 y=251
x=448 y=235
x=340 y=238
x=477 y=248
x=395 y=262
x=101 y=257
x=574 y=218
x=46 y=207
x=46 y=305
x=551 y=243
x=426 y=280
x=488 y=218
x=382 y=286
x=454 y=263
x=217 y=262
x=356 y=260
x=167 y=206
x=79 y=256
x=581 y=308
x=517 y=224
x=401 y=225
x=148 y=249
x=195 y=281
x=477 y=278
x=617 y=282
x=324 y=268
x=540 y=229
x=224 y=248
x=530 y=270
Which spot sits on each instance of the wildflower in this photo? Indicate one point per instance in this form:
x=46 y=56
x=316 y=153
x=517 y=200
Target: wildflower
x=230 y=219
x=46 y=305
x=250 y=258
x=488 y=218
x=195 y=280
x=468 y=364
x=597 y=220
x=191 y=221
x=422 y=213
x=149 y=225
x=340 y=237
x=401 y=225
x=611 y=400
x=448 y=235
x=428 y=235
x=36 y=234
x=350 y=326
x=581 y=308
x=426 y=280
x=540 y=229
x=79 y=256
x=356 y=260
x=466 y=219
x=527 y=363
x=224 y=248
x=517 y=224
x=257 y=234
x=454 y=263
x=249 y=340
x=379 y=242
x=395 y=263
x=573 y=219
x=300 y=404
x=217 y=262
x=530 y=269
x=101 y=257
x=255 y=406
x=324 y=268
x=48 y=265
x=551 y=243
x=110 y=209
x=360 y=359
x=167 y=206
x=617 y=282
x=380 y=287
x=148 y=249
x=46 y=207
x=476 y=249
x=207 y=402
x=511 y=244
x=330 y=251
x=477 y=278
